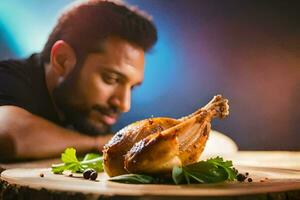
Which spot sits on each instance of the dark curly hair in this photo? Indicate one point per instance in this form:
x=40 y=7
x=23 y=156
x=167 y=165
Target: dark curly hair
x=86 y=25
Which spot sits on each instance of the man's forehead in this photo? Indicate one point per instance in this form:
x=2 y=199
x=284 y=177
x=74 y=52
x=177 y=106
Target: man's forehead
x=118 y=49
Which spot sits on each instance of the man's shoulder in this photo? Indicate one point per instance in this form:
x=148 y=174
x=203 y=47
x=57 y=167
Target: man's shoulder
x=23 y=84
x=20 y=68
x=12 y=64
x=18 y=82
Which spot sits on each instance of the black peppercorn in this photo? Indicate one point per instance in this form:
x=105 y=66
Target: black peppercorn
x=241 y=177
x=87 y=173
x=93 y=175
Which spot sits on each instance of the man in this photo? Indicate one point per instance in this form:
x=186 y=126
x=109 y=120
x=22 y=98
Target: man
x=74 y=90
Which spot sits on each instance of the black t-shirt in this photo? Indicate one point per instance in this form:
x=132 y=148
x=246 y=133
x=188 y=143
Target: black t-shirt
x=23 y=84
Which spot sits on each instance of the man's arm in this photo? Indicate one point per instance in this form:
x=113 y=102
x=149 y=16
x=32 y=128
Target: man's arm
x=24 y=135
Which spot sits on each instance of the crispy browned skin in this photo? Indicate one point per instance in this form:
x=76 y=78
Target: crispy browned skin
x=124 y=140
x=155 y=145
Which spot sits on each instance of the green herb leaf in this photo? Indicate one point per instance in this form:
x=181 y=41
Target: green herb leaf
x=58 y=168
x=69 y=156
x=71 y=162
x=91 y=156
x=210 y=171
x=205 y=172
x=133 y=178
x=177 y=174
x=226 y=165
x=94 y=161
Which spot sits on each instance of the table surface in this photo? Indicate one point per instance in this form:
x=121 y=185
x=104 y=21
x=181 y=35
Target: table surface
x=278 y=162
x=278 y=159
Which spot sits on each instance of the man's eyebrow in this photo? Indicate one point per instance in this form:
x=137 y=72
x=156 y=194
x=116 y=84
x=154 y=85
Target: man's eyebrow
x=110 y=70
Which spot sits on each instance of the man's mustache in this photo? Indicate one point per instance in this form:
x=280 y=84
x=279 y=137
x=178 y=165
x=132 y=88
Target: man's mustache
x=105 y=110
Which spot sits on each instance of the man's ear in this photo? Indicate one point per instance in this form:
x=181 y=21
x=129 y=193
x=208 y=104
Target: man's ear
x=62 y=58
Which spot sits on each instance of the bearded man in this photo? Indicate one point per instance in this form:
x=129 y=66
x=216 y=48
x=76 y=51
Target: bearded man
x=71 y=93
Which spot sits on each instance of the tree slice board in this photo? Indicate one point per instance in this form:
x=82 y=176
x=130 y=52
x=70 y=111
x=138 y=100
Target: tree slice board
x=265 y=180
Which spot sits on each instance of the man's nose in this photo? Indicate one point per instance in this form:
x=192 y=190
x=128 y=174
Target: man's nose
x=122 y=99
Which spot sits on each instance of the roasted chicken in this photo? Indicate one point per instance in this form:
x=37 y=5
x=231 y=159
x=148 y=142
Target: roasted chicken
x=156 y=145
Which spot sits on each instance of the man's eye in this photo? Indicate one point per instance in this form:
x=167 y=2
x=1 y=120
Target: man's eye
x=110 y=79
x=133 y=87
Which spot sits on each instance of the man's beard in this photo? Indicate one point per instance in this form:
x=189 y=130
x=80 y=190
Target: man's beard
x=78 y=116
x=79 y=120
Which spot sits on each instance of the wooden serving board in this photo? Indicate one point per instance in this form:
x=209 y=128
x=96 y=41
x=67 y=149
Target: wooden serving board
x=265 y=181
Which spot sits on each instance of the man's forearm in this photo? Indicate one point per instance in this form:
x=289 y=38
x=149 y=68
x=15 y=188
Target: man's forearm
x=35 y=137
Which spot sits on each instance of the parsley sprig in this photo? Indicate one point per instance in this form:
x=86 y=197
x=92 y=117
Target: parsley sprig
x=73 y=164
